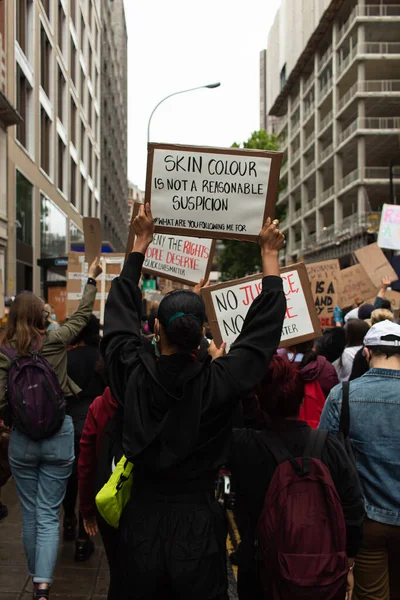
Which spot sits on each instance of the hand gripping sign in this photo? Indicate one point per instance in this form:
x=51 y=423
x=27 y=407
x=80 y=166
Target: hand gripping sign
x=211 y=192
x=227 y=305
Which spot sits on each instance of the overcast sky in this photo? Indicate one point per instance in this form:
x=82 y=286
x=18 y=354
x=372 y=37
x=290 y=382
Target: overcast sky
x=178 y=44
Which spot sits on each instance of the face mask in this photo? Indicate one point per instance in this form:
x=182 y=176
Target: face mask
x=156 y=348
x=54 y=317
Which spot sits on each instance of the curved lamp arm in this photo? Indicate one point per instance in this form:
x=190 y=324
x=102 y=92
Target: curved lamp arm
x=200 y=87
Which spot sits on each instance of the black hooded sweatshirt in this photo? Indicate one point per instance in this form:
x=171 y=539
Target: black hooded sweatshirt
x=177 y=411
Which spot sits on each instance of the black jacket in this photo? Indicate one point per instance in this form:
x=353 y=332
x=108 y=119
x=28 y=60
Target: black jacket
x=177 y=411
x=253 y=467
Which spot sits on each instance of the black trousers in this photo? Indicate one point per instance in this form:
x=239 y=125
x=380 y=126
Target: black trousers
x=111 y=540
x=173 y=548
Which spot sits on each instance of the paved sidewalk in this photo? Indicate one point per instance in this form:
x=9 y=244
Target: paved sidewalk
x=86 y=581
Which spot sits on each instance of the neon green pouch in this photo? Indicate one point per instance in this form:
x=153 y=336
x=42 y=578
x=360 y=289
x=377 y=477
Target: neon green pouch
x=114 y=495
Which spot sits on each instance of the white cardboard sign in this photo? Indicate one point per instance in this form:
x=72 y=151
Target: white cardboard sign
x=217 y=193
x=228 y=304
x=389 y=229
x=183 y=259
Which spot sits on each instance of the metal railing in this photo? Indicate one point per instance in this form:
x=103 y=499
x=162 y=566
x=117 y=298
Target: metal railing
x=309 y=140
x=381 y=123
x=295 y=128
x=297 y=246
x=348 y=131
x=372 y=85
x=379 y=10
x=310 y=109
x=328 y=193
x=295 y=155
x=379 y=48
x=380 y=172
x=310 y=167
x=325 y=58
x=284 y=169
x=327 y=232
x=347 y=25
x=325 y=89
x=308 y=84
x=281 y=125
x=311 y=239
x=296 y=180
x=283 y=224
x=295 y=105
x=350 y=178
x=325 y=121
x=297 y=214
x=342 y=66
x=309 y=206
x=326 y=152
x=349 y=95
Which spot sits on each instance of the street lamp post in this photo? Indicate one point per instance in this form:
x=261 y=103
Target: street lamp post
x=210 y=86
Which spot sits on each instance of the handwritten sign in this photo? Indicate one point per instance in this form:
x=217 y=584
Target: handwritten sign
x=354 y=282
x=389 y=229
x=211 y=192
x=77 y=275
x=183 y=259
x=325 y=280
x=93 y=238
x=375 y=264
x=227 y=305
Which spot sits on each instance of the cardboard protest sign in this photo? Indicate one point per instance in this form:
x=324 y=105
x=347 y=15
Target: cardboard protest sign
x=389 y=229
x=93 y=238
x=227 y=305
x=211 y=192
x=131 y=235
x=325 y=282
x=375 y=264
x=183 y=259
x=77 y=275
x=354 y=282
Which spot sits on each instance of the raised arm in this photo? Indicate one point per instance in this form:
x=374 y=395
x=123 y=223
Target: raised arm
x=245 y=365
x=382 y=292
x=121 y=340
x=82 y=315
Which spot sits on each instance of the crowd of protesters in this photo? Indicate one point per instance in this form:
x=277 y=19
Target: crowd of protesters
x=309 y=436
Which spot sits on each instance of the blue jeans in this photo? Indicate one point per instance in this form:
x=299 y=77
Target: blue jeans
x=41 y=471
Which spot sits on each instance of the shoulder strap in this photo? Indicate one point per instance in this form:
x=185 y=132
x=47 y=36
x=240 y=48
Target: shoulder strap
x=275 y=445
x=344 y=426
x=9 y=352
x=316 y=443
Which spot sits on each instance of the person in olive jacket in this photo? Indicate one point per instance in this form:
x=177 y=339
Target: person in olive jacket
x=41 y=468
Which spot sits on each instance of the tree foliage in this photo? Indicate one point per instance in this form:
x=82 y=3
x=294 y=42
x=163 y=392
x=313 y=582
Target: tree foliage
x=239 y=259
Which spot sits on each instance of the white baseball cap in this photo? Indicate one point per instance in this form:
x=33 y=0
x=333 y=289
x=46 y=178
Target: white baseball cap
x=384 y=333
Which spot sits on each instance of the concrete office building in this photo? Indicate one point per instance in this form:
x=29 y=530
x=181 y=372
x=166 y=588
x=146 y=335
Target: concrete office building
x=114 y=106
x=8 y=118
x=53 y=75
x=135 y=194
x=333 y=81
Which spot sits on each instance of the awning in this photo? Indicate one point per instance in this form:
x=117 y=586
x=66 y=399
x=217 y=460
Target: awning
x=8 y=114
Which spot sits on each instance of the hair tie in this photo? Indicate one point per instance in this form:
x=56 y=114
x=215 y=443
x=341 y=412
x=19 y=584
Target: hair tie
x=178 y=315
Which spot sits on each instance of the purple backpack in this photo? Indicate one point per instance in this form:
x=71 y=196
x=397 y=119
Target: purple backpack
x=35 y=395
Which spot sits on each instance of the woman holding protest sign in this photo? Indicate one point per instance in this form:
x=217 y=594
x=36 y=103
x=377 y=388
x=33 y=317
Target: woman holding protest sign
x=177 y=423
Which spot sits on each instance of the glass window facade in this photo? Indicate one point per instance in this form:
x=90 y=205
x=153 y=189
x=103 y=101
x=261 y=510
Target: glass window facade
x=24 y=209
x=53 y=229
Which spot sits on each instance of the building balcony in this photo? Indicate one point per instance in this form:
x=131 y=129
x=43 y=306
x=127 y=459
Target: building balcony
x=308 y=84
x=327 y=120
x=325 y=58
x=346 y=133
x=297 y=214
x=295 y=155
x=325 y=90
x=373 y=11
x=297 y=246
x=295 y=105
x=283 y=225
x=379 y=48
x=345 y=63
x=309 y=168
x=281 y=125
x=309 y=206
x=296 y=180
x=295 y=128
x=283 y=195
x=326 y=233
x=284 y=169
x=325 y=153
x=308 y=112
x=328 y=193
x=310 y=240
x=368 y=175
x=310 y=140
